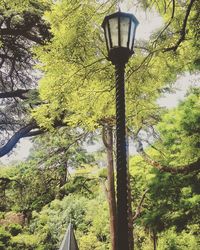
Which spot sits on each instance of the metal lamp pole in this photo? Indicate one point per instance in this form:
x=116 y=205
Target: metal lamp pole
x=119 y=29
x=121 y=161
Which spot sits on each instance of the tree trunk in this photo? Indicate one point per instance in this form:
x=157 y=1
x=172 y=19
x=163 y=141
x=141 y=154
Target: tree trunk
x=108 y=142
x=63 y=179
x=130 y=212
x=130 y=217
x=154 y=240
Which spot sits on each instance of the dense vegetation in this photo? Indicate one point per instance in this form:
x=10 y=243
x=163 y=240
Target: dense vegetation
x=59 y=44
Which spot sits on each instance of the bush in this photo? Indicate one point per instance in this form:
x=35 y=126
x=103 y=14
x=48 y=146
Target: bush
x=170 y=240
x=2 y=246
x=4 y=235
x=15 y=229
x=25 y=242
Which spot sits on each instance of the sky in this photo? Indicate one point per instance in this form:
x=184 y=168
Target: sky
x=148 y=22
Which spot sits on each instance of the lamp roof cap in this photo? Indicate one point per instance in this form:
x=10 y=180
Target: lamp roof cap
x=119 y=14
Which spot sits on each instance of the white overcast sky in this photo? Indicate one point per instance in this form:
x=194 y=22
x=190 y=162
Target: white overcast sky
x=148 y=22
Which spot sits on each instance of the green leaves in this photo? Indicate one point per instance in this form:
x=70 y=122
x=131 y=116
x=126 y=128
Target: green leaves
x=173 y=241
x=79 y=82
x=179 y=131
x=172 y=203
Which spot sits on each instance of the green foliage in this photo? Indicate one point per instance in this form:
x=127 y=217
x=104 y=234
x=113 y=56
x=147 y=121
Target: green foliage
x=24 y=5
x=4 y=237
x=170 y=240
x=30 y=193
x=172 y=28
x=64 y=146
x=80 y=185
x=179 y=131
x=25 y=242
x=14 y=229
x=73 y=48
x=79 y=83
x=45 y=176
x=90 y=223
x=172 y=203
x=103 y=173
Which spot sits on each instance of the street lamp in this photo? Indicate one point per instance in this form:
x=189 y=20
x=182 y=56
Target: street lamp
x=119 y=29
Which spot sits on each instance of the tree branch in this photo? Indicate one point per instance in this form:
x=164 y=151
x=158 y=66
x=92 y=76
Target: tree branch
x=6 y=181
x=34 y=133
x=16 y=137
x=195 y=166
x=20 y=93
x=183 y=29
x=104 y=137
x=168 y=24
x=139 y=208
x=26 y=131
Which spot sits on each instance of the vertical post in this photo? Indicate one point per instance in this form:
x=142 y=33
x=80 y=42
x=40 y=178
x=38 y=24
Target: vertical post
x=108 y=142
x=122 y=189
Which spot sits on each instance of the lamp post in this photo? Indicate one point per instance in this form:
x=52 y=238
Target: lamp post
x=119 y=29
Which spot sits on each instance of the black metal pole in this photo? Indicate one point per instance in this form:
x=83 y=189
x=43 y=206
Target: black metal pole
x=122 y=188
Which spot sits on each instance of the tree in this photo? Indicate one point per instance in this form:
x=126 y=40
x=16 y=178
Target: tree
x=179 y=131
x=86 y=66
x=49 y=163
x=110 y=189
x=21 y=27
x=173 y=197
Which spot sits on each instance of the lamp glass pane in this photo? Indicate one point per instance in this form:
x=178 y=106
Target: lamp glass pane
x=132 y=35
x=114 y=31
x=107 y=36
x=124 y=28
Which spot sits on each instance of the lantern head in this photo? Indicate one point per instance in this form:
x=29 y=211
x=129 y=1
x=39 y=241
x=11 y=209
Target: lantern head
x=119 y=29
